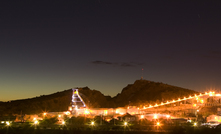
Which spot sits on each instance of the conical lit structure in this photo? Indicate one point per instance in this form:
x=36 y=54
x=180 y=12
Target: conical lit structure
x=77 y=101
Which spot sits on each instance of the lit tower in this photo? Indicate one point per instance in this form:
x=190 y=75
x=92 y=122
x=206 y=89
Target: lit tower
x=77 y=101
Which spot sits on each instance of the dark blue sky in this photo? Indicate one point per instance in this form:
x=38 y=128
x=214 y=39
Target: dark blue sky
x=50 y=46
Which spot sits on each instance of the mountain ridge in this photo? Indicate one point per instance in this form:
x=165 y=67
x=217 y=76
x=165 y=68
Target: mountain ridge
x=139 y=93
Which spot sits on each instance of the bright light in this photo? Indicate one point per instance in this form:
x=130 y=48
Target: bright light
x=34 y=119
x=142 y=116
x=117 y=111
x=168 y=116
x=195 y=124
x=92 y=123
x=86 y=111
x=59 y=115
x=36 y=122
x=44 y=114
x=67 y=113
x=76 y=92
x=194 y=105
x=63 y=122
x=7 y=123
x=105 y=112
x=155 y=116
x=211 y=93
x=189 y=120
x=76 y=108
x=184 y=98
x=125 y=123
x=201 y=101
x=158 y=123
x=70 y=108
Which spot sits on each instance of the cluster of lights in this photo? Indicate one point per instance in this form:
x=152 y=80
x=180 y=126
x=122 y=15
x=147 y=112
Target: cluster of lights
x=7 y=123
x=67 y=113
x=75 y=96
x=178 y=100
x=86 y=111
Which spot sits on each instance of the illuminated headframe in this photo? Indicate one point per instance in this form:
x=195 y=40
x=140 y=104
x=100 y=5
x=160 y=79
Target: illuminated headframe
x=77 y=101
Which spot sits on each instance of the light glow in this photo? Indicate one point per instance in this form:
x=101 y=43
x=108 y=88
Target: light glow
x=202 y=101
x=67 y=113
x=155 y=116
x=158 y=123
x=7 y=123
x=36 y=122
x=86 y=111
x=195 y=124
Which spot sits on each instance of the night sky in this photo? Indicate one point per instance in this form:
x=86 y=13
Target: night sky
x=49 y=46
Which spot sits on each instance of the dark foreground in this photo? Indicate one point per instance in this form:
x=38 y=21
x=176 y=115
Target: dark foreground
x=178 y=130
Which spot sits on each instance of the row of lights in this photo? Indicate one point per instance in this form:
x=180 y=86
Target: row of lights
x=190 y=97
x=36 y=121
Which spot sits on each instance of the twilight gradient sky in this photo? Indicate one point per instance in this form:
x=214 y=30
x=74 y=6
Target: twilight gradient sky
x=49 y=46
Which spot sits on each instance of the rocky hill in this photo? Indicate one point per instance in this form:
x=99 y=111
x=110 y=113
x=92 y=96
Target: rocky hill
x=139 y=93
x=143 y=91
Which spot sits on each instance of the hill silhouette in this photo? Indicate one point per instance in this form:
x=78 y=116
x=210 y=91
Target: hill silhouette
x=54 y=102
x=139 y=93
x=144 y=91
